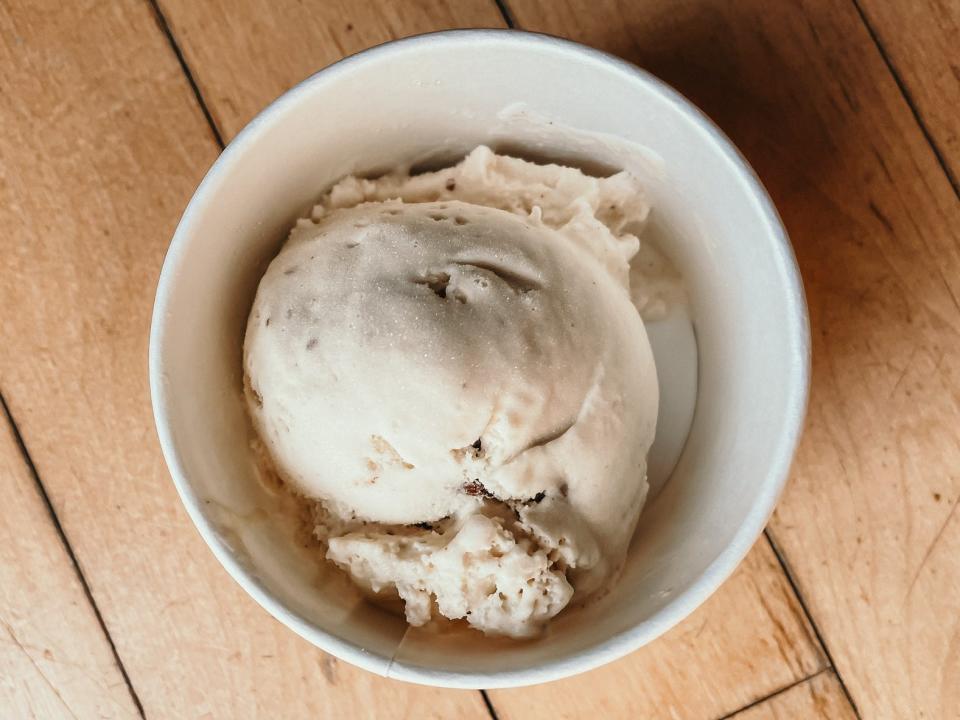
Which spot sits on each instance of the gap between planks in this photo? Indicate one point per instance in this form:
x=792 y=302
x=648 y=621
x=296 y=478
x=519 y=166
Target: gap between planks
x=908 y=99
x=68 y=548
x=167 y=32
x=831 y=665
x=506 y=13
x=776 y=693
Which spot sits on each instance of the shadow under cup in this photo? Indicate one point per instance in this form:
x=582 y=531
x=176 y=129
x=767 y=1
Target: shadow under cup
x=445 y=93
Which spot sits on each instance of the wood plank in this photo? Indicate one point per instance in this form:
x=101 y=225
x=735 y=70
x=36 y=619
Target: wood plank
x=927 y=61
x=749 y=640
x=869 y=522
x=819 y=697
x=102 y=145
x=55 y=661
x=245 y=53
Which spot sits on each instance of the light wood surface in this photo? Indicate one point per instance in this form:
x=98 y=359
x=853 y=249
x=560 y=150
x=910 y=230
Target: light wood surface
x=869 y=522
x=749 y=640
x=244 y=53
x=102 y=141
x=54 y=657
x=927 y=61
x=819 y=698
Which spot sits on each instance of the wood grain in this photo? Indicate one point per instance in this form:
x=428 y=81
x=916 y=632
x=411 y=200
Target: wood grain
x=869 y=522
x=54 y=658
x=928 y=62
x=245 y=53
x=820 y=697
x=748 y=641
x=102 y=144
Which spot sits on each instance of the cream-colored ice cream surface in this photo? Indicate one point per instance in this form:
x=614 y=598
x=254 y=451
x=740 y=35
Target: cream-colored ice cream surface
x=450 y=366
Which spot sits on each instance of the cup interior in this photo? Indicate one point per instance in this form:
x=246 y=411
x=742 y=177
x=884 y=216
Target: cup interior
x=436 y=97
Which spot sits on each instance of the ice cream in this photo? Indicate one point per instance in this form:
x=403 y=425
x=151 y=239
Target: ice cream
x=450 y=367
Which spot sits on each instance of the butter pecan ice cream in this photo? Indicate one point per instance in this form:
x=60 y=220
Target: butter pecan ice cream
x=449 y=366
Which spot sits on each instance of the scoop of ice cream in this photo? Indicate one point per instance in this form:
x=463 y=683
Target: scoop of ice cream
x=451 y=364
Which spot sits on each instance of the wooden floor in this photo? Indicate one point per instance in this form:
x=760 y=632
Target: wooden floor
x=110 y=604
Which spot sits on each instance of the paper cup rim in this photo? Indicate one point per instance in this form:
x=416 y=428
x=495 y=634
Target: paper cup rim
x=685 y=602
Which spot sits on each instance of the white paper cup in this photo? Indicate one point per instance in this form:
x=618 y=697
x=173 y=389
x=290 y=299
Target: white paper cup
x=443 y=93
